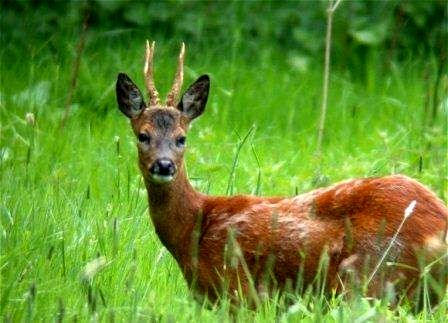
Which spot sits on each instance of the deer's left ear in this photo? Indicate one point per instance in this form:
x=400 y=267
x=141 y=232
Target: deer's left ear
x=129 y=98
x=193 y=102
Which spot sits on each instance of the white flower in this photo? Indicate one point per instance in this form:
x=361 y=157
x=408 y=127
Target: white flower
x=30 y=119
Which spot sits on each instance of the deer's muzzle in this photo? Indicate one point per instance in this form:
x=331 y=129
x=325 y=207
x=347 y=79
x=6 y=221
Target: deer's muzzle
x=162 y=170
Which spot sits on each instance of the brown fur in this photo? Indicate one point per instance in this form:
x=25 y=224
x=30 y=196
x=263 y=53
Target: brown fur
x=281 y=229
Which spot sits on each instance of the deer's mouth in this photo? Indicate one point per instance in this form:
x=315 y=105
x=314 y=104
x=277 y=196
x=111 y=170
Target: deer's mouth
x=161 y=179
x=162 y=171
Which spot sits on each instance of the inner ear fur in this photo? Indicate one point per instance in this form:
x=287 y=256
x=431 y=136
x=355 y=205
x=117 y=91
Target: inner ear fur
x=193 y=101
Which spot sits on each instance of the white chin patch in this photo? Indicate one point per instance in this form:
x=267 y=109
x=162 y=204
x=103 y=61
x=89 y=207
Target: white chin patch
x=161 y=178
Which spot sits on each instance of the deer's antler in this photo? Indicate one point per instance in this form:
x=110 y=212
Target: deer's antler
x=178 y=79
x=148 y=71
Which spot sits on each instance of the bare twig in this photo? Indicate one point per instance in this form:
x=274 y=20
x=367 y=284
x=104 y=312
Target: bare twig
x=75 y=70
x=332 y=6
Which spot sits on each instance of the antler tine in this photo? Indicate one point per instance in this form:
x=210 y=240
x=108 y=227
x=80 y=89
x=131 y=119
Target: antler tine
x=178 y=79
x=148 y=72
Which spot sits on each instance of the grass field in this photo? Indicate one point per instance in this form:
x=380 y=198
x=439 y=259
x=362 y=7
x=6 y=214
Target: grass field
x=71 y=195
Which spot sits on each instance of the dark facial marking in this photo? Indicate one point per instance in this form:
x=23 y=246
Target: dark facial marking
x=163 y=120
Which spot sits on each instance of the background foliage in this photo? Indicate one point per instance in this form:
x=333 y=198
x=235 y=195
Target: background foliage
x=398 y=29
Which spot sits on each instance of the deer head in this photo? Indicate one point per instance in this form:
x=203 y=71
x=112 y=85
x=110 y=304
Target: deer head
x=161 y=128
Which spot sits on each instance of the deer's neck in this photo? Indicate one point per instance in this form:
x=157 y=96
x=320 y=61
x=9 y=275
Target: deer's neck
x=175 y=208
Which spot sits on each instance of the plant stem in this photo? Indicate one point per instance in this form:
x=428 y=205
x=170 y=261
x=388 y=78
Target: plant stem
x=332 y=6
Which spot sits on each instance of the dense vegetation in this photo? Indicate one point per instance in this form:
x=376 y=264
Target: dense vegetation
x=72 y=200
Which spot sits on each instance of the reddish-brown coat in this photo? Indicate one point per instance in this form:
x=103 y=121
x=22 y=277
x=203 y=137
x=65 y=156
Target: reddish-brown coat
x=352 y=222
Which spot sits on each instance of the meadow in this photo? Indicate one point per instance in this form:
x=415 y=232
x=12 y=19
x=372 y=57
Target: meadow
x=77 y=243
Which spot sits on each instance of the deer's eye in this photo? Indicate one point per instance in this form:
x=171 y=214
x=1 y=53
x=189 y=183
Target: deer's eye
x=143 y=137
x=180 y=141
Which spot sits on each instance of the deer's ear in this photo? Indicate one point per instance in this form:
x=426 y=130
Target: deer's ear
x=193 y=102
x=129 y=98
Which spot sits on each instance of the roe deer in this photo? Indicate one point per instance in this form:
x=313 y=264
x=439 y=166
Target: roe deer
x=255 y=244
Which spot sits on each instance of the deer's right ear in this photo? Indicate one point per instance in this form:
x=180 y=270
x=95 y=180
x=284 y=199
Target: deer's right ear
x=129 y=98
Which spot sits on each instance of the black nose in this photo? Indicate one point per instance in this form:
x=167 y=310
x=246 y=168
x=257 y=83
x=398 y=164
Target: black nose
x=163 y=166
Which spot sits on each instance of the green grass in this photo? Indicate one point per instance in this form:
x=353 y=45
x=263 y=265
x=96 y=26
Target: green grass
x=71 y=195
